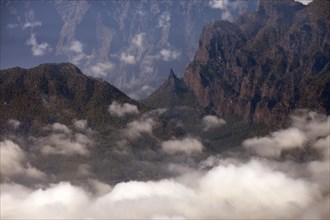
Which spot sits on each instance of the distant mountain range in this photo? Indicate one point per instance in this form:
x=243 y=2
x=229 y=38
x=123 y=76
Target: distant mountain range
x=128 y=43
x=260 y=68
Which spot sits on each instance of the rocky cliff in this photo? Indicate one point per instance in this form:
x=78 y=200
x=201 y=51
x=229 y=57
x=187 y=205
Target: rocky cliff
x=266 y=64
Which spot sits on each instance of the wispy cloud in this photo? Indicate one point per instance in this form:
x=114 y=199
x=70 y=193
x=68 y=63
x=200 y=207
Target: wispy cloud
x=164 y=20
x=138 y=40
x=32 y=24
x=168 y=55
x=101 y=69
x=127 y=58
x=76 y=46
x=218 y=4
x=36 y=48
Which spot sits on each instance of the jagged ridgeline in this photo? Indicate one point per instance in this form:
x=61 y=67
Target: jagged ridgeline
x=266 y=64
x=52 y=93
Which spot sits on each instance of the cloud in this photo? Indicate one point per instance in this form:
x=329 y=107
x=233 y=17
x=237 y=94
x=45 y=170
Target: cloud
x=274 y=144
x=14 y=162
x=12 y=26
x=61 y=128
x=76 y=46
x=252 y=190
x=138 y=40
x=168 y=55
x=221 y=188
x=120 y=110
x=80 y=124
x=136 y=128
x=211 y=121
x=102 y=69
x=14 y=123
x=32 y=24
x=305 y=2
x=38 y=49
x=63 y=141
x=187 y=145
x=308 y=129
x=218 y=4
x=164 y=20
x=127 y=58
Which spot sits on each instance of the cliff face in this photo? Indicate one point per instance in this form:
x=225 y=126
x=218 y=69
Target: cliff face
x=265 y=65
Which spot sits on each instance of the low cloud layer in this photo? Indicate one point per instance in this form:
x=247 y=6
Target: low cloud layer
x=120 y=110
x=258 y=187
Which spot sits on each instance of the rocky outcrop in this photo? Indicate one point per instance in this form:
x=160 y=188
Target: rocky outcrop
x=265 y=65
x=173 y=92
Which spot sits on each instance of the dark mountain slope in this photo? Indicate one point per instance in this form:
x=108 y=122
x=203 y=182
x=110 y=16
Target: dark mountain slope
x=173 y=92
x=266 y=64
x=55 y=92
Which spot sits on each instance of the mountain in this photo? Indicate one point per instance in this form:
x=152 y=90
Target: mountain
x=52 y=93
x=172 y=93
x=128 y=43
x=266 y=64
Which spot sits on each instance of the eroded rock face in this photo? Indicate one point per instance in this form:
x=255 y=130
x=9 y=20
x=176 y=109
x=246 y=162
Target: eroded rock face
x=266 y=64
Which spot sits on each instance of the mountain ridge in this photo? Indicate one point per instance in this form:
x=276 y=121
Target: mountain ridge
x=280 y=64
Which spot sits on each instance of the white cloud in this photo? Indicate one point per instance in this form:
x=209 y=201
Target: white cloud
x=63 y=141
x=13 y=162
x=305 y=2
x=38 y=49
x=187 y=145
x=212 y=121
x=76 y=46
x=307 y=129
x=101 y=69
x=218 y=4
x=136 y=128
x=60 y=127
x=164 y=20
x=138 y=40
x=168 y=55
x=273 y=145
x=120 y=110
x=251 y=190
x=32 y=24
x=127 y=58
x=230 y=188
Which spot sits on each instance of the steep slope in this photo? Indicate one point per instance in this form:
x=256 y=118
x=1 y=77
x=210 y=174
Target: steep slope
x=266 y=64
x=173 y=92
x=55 y=92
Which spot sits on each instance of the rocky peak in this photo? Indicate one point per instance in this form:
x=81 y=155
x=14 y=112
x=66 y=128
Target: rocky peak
x=275 y=9
x=172 y=78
